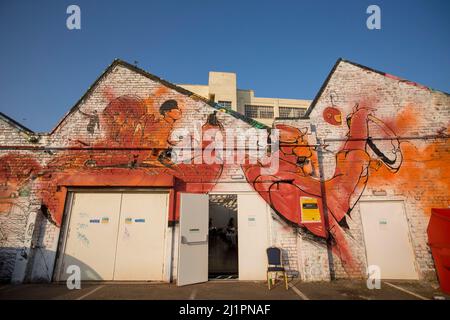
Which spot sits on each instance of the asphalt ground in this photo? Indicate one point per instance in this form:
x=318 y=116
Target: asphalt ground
x=226 y=290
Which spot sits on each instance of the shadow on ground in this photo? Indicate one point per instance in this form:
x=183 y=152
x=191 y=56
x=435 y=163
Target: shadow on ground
x=226 y=290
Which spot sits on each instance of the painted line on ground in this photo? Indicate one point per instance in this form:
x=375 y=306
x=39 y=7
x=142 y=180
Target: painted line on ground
x=193 y=294
x=90 y=292
x=298 y=292
x=406 y=291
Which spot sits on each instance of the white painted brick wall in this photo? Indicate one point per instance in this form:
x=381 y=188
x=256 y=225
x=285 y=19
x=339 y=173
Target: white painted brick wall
x=303 y=254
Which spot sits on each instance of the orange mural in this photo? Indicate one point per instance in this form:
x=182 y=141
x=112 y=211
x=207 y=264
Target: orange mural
x=16 y=171
x=298 y=177
x=136 y=149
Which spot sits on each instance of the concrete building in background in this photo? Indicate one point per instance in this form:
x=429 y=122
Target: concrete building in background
x=222 y=89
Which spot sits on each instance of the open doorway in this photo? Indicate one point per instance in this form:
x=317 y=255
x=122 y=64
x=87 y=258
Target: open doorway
x=223 y=237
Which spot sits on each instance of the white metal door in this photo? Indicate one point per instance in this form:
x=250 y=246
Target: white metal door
x=253 y=237
x=386 y=235
x=92 y=235
x=193 y=239
x=140 y=244
x=116 y=236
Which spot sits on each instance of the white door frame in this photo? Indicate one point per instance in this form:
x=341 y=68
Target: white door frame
x=268 y=213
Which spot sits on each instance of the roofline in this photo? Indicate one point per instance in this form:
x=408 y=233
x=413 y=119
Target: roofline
x=15 y=124
x=322 y=88
x=413 y=83
x=193 y=85
x=177 y=88
x=85 y=95
x=227 y=72
x=216 y=106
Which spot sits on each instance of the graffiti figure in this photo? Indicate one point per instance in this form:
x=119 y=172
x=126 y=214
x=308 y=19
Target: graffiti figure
x=129 y=122
x=16 y=170
x=297 y=176
x=94 y=121
x=123 y=117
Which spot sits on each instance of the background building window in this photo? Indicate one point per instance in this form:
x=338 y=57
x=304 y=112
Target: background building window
x=262 y=112
x=290 y=112
x=225 y=104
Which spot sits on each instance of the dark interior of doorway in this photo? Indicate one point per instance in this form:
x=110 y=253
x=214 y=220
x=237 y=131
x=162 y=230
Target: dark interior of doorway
x=223 y=237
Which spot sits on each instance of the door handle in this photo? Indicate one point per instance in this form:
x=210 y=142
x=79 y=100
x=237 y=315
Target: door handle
x=185 y=241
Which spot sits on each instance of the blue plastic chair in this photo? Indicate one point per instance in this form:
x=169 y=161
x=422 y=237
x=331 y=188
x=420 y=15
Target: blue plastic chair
x=275 y=265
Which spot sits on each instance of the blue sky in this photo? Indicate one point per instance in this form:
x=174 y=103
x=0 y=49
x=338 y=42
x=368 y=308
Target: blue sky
x=278 y=48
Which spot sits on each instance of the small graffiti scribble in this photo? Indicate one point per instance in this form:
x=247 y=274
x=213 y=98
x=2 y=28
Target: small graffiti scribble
x=126 y=234
x=84 y=240
x=81 y=226
x=83 y=214
x=94 y=121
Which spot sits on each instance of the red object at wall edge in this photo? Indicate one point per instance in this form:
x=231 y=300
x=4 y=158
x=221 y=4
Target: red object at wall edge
x=439 y=242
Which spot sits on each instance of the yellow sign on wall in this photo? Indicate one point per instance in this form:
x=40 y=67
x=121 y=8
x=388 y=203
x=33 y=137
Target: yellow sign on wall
x=309 y=209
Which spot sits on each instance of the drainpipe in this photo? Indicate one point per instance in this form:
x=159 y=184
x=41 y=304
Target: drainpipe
x=319 y=144
x=172 y=249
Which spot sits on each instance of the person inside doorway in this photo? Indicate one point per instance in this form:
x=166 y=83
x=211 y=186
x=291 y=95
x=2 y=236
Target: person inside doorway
x=231 y=233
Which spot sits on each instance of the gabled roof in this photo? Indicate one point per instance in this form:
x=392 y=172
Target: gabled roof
x=15 y=124
x=324 y=85
x=188 y=93
x=118 y=62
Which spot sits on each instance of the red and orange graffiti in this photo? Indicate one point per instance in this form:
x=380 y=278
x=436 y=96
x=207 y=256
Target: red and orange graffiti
x=297 y=177
x=136 y=151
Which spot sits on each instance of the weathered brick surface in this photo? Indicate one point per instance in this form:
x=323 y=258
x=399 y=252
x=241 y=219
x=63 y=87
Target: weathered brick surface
x=71 y=132
x=412 y=111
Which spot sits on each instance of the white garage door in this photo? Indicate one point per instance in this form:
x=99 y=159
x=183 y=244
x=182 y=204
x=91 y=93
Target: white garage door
x=386 y=235
x=116 y=236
